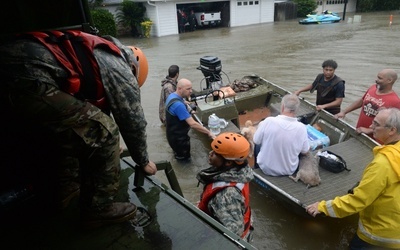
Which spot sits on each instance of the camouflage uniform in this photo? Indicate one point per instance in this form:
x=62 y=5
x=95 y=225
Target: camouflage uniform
x=228 y=205
x=168 y=86
x=88 y=139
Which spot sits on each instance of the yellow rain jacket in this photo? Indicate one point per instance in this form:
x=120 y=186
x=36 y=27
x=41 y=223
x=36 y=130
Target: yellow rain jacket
x=376 y=199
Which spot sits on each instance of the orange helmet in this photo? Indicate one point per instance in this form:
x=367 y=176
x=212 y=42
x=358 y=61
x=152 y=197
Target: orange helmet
x=231 y=146
x=140 y=65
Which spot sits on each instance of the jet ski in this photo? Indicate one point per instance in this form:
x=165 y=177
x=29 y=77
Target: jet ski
x=324 y=17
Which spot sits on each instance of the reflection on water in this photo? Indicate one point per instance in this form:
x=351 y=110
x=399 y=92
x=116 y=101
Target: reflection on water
x=290 y=55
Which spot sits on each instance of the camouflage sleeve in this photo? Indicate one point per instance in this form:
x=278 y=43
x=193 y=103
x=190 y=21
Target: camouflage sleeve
x=228 y=208
x=123 y=96
x=168 y=89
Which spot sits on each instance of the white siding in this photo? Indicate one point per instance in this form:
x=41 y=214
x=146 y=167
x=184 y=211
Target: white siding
x=336 y=7
x=267 y=11
x=245 y=12
x=163 y=15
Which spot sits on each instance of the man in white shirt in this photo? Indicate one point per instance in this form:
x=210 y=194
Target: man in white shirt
x=281 y=139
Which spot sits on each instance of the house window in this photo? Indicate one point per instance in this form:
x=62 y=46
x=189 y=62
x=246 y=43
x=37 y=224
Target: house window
x=239 y=3
x=245 y=3
x=251 y=3
x=255 y=2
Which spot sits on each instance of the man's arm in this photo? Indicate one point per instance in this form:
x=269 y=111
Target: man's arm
x=168 y=89
x=355 y=105
x=306 y=88
x=123 y=96
x=197 y=126
x=336 y=102
x=258 y=135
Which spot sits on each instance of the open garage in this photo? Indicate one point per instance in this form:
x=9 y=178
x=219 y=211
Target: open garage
x=221 y=8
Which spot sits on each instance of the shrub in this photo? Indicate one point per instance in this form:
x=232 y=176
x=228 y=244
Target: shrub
x=305 y=7
x=146 y=27
x=374 y=5
x=104 y=22
x=131 y=14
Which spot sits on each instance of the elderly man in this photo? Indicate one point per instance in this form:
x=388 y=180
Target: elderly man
x=279 y=152
x=379 y=95
x=377 y=197
x=179 y=121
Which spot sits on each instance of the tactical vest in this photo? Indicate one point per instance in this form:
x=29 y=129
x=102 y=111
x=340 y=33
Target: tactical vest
x=74 y=52
x=211 y=189
x=175 y=127
x=325 y=94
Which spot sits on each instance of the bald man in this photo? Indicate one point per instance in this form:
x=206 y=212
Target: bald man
x=380 y=95
x=179 y=121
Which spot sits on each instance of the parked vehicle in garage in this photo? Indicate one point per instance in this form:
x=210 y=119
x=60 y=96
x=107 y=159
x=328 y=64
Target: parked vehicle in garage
x=207 y=18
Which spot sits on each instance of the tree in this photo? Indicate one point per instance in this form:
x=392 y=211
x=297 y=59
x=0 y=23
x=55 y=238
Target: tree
x=366 y=5
x=131 y=14
x=305 y=7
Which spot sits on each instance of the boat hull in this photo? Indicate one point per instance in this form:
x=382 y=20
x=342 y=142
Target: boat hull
x=164 y=220
x=355 y=148
x=320 y=19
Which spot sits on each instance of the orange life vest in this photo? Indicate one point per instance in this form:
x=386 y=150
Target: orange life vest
x=74 y=52
x=211 y=189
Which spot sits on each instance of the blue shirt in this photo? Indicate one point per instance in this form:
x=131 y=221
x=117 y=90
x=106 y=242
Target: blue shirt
x=178 y=108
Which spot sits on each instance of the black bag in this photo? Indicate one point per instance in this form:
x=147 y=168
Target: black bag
x=332 y=165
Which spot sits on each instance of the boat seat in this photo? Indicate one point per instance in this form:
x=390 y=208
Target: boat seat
x=335 y=134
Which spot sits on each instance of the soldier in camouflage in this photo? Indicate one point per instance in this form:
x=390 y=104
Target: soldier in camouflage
x=226 y=194
x=87 y=138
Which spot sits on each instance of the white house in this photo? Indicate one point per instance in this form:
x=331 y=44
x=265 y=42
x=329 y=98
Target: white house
x=336 y=5
x=233 y=13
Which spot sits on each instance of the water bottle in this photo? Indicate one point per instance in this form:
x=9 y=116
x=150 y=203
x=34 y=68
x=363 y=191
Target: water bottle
x=214 y=124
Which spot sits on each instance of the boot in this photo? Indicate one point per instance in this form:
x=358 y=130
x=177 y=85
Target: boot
x=115 y=213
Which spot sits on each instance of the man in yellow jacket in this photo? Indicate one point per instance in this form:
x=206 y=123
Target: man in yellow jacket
x=377 y=197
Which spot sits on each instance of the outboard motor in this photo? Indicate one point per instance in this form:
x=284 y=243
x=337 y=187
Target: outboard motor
x=211 y=68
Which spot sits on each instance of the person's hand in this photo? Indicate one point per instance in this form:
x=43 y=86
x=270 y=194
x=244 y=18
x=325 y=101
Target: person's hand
x=150 y=168
x=364 y=130
x=339 y=115
x=297 y=92
x=319 y=107
x=313 y=209
x=211 y=135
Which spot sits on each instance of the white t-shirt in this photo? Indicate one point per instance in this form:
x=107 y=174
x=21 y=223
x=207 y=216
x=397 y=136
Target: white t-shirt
x=282 y=139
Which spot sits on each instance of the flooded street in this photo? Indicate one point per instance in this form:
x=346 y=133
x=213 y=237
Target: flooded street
x=288 y=54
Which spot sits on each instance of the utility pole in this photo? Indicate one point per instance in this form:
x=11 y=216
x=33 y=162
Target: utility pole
x=344 y=10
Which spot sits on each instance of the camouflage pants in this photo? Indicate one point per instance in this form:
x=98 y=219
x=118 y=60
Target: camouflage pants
x=87 y=139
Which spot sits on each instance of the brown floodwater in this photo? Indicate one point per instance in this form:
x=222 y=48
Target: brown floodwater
x=288 y=54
